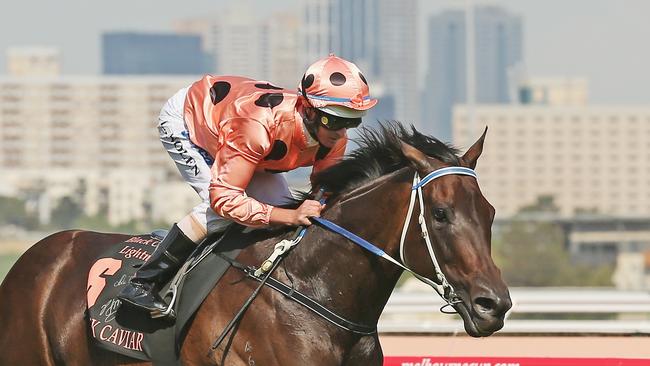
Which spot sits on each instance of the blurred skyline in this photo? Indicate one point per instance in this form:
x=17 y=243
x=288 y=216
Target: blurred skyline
x=569 y=140
x=601 y=40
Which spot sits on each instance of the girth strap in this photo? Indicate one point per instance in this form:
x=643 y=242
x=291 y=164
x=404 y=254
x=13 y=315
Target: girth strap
x=306 y=301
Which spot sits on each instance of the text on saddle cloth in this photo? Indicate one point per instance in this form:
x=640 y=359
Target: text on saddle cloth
x=106 y=278
x=124 y=330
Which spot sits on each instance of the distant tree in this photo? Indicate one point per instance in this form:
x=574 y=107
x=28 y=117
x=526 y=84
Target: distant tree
x=100 y=222
x=66 y=213
x=13 y=212
x=532 y=254
x=97 y=222
x=130 y=227
x=544 y=204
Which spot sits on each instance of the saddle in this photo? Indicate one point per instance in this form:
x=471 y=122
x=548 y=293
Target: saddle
x=132 y=333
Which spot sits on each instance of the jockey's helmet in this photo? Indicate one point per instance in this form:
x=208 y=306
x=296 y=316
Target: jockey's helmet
x=337 y=88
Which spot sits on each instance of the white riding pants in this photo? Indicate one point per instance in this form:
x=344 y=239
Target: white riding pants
x=195 y=163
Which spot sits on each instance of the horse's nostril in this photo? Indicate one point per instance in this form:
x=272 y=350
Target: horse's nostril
x=485 y=305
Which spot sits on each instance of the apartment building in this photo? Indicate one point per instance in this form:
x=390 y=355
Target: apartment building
x=589 y=158
x=90 y=137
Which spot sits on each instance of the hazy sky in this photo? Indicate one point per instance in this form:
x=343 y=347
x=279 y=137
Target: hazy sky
x=605 y=41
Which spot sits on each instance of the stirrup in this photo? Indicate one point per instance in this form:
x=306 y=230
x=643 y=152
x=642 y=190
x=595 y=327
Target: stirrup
x=169 y=312
x=173 y=292
x=194 y=259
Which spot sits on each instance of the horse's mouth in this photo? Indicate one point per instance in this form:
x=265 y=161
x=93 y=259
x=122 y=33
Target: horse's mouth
x=475 y=325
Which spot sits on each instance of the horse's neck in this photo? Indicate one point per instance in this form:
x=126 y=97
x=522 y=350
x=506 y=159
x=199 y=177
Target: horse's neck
x=349 y=279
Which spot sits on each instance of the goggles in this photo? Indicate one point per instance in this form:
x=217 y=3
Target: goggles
x=332 y=122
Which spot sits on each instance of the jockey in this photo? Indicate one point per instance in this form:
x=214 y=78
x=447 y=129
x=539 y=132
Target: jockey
x=229 y=136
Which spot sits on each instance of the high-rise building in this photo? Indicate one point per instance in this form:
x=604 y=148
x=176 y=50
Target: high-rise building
x=33 y=61
x=355 y=33
x=125 y=53
x=242 y=44
x=497 y=51
x=284 y=67
x=386 y=54
x=553 y=91
x=316 y=40
x=398 y=56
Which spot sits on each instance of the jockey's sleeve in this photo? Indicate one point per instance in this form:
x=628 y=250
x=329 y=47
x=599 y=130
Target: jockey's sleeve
x=332 y=157
x=245 y=142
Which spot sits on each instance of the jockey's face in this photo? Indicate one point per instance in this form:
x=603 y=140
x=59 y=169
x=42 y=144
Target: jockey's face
x=326 y=137
x=329 y=138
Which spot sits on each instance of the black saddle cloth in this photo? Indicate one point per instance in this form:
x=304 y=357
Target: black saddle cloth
x=129 y=332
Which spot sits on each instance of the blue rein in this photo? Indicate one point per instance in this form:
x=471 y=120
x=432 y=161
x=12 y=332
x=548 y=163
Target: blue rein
x=350 y=236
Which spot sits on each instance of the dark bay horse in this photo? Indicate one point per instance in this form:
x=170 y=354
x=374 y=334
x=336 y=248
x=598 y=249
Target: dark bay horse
x=42 y=299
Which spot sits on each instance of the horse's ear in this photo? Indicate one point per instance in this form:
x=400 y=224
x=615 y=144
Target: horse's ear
x=417 y=158
x=473 y=153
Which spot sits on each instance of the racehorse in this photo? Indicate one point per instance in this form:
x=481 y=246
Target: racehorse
x=43 y=296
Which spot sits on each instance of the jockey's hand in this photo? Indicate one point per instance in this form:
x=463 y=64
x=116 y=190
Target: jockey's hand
x=299 y=216
x=309 y=208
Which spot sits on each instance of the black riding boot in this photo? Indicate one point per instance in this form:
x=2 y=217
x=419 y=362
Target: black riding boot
x=169 y=256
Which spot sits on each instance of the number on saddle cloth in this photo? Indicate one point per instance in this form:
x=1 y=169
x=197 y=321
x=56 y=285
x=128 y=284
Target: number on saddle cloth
x=106 y=278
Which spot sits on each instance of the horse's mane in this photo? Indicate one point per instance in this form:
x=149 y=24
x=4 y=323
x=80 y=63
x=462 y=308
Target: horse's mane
x=379 y=153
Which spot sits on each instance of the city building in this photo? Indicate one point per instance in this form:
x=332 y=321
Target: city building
x=632 y=271
x=553 y=91
x=90 y=138
x=498 y=51
x=242 y=44
x=316 y=39
x=601 y=240
x=387 y=53
x=355 y=33
x=589 y=158
x=33 y=61
x=130 y=53
x=171 y=201
x=398 y=57
x=284 y=67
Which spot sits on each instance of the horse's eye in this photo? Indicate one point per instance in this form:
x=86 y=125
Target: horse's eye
x=440 y=215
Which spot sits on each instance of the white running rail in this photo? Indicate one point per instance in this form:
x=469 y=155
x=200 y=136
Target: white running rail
x=565 y=311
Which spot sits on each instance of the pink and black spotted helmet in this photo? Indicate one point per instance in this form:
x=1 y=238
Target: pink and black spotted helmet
x=337 y=87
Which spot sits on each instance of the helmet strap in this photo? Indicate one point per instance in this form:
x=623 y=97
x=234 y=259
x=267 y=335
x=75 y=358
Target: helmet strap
x=311 y=125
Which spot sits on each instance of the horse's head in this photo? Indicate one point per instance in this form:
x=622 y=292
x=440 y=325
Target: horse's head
x=459 y=220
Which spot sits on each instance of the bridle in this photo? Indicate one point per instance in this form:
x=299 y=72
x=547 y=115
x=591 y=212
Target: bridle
x=441 y=284
x=263 y=273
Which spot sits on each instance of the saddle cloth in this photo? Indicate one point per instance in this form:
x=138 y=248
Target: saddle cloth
x=129 y=332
